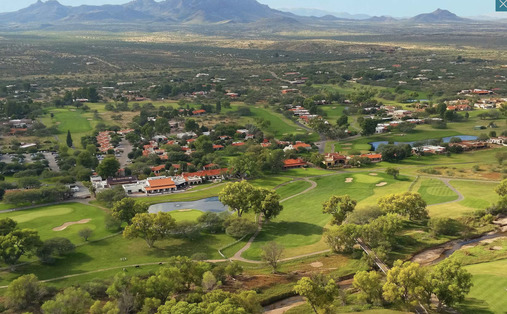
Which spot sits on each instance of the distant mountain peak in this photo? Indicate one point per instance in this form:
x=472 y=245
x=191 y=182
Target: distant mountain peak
x=437 y=16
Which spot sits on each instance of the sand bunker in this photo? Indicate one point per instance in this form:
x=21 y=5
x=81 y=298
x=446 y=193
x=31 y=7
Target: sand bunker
x=67 y=224
x=373 y=174
x=316 y=265
x=349 y=180
x=381 y=184
x=185 y=210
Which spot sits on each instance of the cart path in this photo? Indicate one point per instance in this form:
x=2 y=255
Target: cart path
x=237 y=256
x=448 y=184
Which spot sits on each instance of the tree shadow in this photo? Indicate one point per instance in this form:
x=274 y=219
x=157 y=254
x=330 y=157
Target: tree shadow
x=475 y=306
x=272 y=230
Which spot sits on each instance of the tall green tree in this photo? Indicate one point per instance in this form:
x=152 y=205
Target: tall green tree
x=339 y=206
x=150 y=227
x=239 y=196
x=269 y=206
x=342 y=238
x=18 y=243
x=406 y=283
x=70 y=301
x=319 y=292
x=370 y=285
x=25 y=292
x=69 y=139
x=108 y=167
x=406 y=204
x=395 y=172
x=128 y=208
x=450 y=282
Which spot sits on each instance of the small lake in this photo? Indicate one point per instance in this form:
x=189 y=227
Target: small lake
x=211 y=204
x=375 y=145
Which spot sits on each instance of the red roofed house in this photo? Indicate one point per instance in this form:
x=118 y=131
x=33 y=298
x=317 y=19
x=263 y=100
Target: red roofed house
x=158 y=169
x=238 y=144
x=373 y=157
x=155 y=185
x=198 y=112
x=218 y=147
x=294 y=163
x=334 y=159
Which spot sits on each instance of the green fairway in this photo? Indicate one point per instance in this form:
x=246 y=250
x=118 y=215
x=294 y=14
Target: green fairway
x=186 y=215
x=44 y=219
x=292 y=188
x=434 y=191
x=478 y=195
x=78 y=122
x=301 y=222
x=489 y=293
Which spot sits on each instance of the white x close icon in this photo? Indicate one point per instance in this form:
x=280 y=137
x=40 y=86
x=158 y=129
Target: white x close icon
x=503 y=3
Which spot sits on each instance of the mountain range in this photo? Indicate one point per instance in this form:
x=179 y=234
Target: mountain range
x=190 y=12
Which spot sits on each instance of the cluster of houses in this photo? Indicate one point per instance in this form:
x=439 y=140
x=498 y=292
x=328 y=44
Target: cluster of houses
x=467 y=105
x=160 y=184
x=17 y=126
x=336 y=159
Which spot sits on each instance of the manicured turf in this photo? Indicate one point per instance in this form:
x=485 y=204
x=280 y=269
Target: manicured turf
x=292 y=188
x=434 y=191
x=306 y=172
x=478 y=195
x=184 y=215
x=279 y=124
x=489 y=293
x=301 y=222
x=44 y=219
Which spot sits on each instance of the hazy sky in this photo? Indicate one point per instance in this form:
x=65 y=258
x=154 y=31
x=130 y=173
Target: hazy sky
x=372 y=7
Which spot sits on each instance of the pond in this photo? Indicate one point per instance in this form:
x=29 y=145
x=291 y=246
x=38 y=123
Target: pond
x=211 y=204
x=375 y=145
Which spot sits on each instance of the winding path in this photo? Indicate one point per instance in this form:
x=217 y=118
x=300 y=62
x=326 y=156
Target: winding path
x=460 y=196
x=237 y=256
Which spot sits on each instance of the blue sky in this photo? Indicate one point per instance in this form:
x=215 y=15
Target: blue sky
x=372 y=7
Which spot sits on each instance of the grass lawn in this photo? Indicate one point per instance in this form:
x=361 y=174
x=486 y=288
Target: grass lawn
x=489 y=293
x=293 y=188
x=306 y=172
x=186 y=215
x=44 y=219
x=434 y=191
x=301 y=222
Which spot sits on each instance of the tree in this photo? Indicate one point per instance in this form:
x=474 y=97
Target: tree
x=269 y=206
x=382 y=230
x=370 y=285
x=85 y=233
x=87 y=159
x=238 y=196
x=407 y=204
x=150 y=227
x=108 y=167
x=7 y=225
x=246 y=165
x=343 y=121
x=18 y=243
x=369 y=127
x=108 y=308
x=25 y=292
x=54 y=246
x=339 y=207
x=450 y=282
x=407 y=283
x=443 y=226
x=111 y=196
x=69 y=139
x=395 y=172
x=271 y=254
x=239 y=227
x=501 y=157
x=127 y=208
x=191 y=125
x=501 y=189
x=209 y=282
x=320 y=292
x=342 y=238
x=70 y=301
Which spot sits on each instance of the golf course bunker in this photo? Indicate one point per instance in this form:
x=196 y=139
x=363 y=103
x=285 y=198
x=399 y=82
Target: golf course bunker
x=316 y=264
x=349 y=180
x=381 y=184
x=67 y=224
x=373 y=174
x=211 y=204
